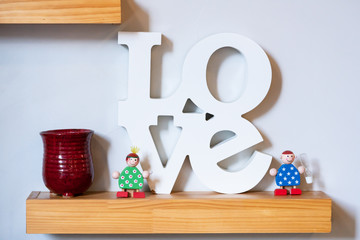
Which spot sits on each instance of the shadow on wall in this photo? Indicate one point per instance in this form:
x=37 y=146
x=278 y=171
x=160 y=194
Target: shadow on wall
x=272 y=96
x=343 y=224
x=133 y=18
x=99 y=150
x=262 y=108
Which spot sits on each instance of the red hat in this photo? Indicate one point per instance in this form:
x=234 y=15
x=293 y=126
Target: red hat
x=287 y=152
x=133 y=154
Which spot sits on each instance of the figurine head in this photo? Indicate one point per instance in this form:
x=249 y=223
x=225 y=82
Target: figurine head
x=287 y=157
x=132 y=160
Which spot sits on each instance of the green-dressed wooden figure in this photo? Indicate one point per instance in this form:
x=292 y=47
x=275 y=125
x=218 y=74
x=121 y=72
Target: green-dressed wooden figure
x=131 y=180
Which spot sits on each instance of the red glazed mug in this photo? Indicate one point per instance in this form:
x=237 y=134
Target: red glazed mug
x=67 y=164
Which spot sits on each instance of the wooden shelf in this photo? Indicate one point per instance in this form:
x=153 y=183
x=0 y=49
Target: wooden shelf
x=185 y=212
x=60 y=11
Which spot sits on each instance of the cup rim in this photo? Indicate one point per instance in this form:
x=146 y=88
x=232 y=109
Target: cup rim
x=71 y=131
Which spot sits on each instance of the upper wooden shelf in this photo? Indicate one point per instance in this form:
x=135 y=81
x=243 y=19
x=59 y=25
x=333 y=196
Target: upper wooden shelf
x=185 y=212
x=60 y=11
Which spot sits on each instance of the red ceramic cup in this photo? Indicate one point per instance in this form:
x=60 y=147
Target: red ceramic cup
x=67 y=164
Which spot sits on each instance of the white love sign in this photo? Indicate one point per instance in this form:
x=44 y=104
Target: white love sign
x=138 y=112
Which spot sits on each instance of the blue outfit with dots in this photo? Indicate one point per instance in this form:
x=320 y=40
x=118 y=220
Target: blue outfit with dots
x=287 y=175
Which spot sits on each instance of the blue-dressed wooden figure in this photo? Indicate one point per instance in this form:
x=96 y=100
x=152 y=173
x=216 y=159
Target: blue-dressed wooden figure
x=287 y=175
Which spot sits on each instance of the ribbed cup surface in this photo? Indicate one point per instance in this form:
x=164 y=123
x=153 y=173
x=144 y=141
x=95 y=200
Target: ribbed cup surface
x=67 y=163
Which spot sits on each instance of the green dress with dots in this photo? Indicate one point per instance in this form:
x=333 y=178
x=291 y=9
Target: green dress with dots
x=131 y=178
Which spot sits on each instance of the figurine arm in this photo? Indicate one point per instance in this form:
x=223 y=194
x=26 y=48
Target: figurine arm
x=115 y=175
x=301 y=169
x=146 y=174
x=273 y=172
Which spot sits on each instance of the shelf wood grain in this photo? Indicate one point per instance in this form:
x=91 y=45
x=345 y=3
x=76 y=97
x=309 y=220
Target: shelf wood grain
x=60 y=11
x=185 y=212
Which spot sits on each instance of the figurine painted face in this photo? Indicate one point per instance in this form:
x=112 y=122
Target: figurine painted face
x=132 y=161
x=287 y=157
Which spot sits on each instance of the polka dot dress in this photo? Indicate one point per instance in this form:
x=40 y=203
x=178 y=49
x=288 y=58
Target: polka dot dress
x=287 y=175
x=131 y=178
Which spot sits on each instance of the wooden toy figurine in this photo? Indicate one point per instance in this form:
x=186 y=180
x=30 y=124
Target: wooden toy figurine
x=131 y=180
x=287 y=175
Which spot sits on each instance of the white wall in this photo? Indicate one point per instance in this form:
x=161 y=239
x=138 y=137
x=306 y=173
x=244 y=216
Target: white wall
x=72 y=76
